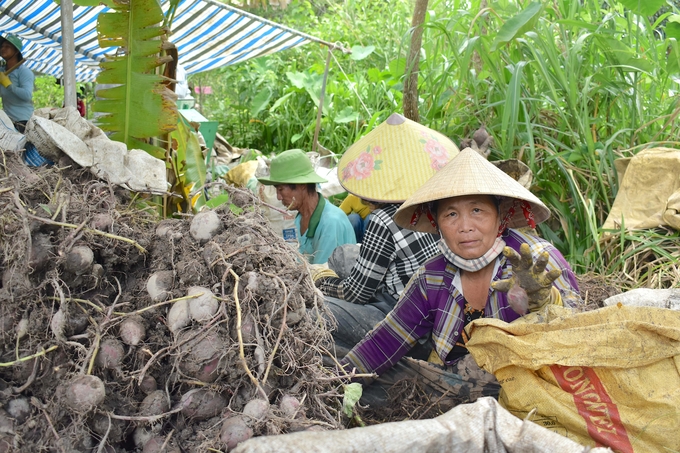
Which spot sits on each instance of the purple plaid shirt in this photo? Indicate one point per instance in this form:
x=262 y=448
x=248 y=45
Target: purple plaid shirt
x=432 y=306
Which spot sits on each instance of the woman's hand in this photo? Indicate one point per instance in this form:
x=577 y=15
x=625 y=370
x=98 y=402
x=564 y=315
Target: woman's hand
x=530 y=285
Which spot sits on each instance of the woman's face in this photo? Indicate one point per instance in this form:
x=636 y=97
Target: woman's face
x=468 y=224
x=7 y=50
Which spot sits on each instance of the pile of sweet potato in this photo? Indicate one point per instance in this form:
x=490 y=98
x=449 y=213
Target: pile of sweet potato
x=124 y=332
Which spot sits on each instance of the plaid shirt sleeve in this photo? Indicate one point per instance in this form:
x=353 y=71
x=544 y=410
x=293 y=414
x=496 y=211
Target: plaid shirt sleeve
x=377 y=252
x=393 y=337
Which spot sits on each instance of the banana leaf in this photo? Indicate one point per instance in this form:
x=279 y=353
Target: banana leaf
x=108 y=3
x=189 y=166
x=139 y=106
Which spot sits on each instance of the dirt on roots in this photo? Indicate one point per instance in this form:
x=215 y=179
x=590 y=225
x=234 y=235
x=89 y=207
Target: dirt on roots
x=77 y=257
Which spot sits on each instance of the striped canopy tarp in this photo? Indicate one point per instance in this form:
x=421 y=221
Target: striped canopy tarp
x=207 y=35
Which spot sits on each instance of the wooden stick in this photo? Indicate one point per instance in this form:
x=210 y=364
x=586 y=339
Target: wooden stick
x=283 y=325
x=142 y=418
x=102 y=443
x=89 y=230
x=14 y=67
x=29 y=357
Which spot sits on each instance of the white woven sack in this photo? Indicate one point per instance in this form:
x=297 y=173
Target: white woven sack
x=70 y=118
x=109 y=159
x=52 y=141
x=147 y=174
x=10 y=139
x=647 y=297
x=480 y=427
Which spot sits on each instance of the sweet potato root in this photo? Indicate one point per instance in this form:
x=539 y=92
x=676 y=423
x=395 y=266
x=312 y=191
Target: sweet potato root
x=110 y=354
x=256 y=409
x=203 y=307
x=84 y=393
x=159 y=285
x=234 y=431
x=155 y=403
x=132 y=330
x=200 y=404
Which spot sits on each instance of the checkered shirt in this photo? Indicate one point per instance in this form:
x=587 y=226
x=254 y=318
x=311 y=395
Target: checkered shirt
x=389 y=256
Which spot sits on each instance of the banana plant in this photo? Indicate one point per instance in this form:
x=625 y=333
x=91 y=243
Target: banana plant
x=188 y=167
x=138 y=106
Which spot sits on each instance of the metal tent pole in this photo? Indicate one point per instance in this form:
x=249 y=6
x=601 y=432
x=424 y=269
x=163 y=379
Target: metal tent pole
x=68 y=53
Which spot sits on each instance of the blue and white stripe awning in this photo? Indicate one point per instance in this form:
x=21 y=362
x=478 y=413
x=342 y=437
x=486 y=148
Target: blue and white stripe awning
x=207 y=35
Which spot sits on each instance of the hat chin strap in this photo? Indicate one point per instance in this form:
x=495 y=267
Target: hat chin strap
x=526 y=210
x=420 y=210
x=475 y=264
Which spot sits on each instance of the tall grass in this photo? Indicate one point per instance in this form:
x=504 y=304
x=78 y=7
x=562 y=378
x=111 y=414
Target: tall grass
x=567 y=94
x=565 y=86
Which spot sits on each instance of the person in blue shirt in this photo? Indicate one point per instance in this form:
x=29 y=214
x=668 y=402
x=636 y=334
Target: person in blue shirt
x=321 y=226
x=16 y=82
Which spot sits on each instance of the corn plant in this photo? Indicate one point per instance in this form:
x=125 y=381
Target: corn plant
x=565 y=88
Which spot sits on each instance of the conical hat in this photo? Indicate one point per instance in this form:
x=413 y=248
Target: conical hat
x=389 y=163
x=470 y=174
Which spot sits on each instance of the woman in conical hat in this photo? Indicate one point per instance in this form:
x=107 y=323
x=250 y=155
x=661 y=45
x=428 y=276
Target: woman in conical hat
x=486 y=268
x=384 y=168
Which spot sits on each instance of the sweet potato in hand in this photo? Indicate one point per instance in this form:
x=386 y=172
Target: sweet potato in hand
x=529 y=277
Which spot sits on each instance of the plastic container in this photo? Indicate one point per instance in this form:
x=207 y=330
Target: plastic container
x=185 y=103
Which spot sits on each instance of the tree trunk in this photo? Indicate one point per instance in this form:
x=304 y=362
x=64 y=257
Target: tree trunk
x=411 y=76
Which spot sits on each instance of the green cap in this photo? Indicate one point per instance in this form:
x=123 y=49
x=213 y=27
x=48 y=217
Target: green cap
x=291 y=167
x=13 y=40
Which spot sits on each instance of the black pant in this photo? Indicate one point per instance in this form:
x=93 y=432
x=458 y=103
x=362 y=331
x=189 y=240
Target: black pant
x=20 y=126
x=354 y=321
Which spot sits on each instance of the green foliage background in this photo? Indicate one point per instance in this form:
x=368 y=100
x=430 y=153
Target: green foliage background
x=47 y=93
x=567 y=86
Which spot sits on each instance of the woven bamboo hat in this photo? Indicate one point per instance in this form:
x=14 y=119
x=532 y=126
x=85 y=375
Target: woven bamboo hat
x=389 y=163
x=469 y=174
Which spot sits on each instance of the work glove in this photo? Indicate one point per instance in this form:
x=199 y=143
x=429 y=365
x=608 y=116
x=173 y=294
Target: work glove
x=319 y=272
x=4 y=80
x=530 y=286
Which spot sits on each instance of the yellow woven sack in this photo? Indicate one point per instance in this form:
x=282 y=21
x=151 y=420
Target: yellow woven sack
x=608 y=377
x=240 y=174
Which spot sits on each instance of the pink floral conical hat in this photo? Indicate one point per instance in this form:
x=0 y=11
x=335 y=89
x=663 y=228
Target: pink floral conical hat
x=389 y=163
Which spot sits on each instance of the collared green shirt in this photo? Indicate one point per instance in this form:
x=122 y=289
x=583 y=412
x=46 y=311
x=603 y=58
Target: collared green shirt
x=316 y=217
x=328 y=228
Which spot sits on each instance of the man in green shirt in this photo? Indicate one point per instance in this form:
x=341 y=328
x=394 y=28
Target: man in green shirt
x=321 y=226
